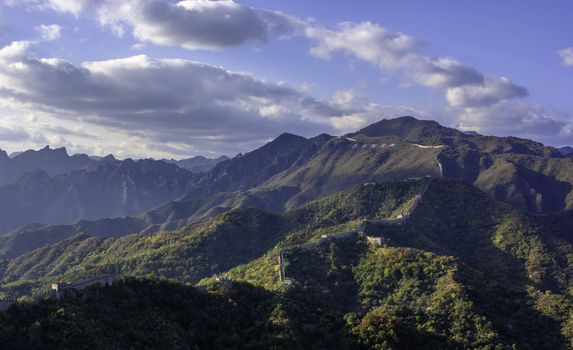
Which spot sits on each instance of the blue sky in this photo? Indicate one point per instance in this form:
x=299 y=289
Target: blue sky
x=174 y=79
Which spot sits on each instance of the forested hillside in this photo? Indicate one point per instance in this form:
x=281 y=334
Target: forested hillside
x=462 y=271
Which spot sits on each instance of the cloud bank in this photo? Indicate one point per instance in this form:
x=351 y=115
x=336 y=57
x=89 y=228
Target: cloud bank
x=185 y=103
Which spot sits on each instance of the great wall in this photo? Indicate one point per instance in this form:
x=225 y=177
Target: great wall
x=375 y=240
x=57 y=289
x=361 y=145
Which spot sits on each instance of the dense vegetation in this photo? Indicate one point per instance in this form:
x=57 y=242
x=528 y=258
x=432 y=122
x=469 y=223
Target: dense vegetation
x=463 y=272
x=159 y=314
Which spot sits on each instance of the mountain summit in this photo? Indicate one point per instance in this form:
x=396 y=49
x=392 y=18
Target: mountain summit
x=409 y=128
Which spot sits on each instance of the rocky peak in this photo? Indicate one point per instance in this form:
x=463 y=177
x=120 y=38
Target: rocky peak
x=3 y=155
x=283 y=142
x=43 y=154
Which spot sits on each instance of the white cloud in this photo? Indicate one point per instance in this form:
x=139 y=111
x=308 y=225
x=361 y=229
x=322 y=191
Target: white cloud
x=212 y=25
x=440 y=72
x=390 y=51
x=566 y=56
x=137 y=47
x=490 y=92
x=152 y=102
x=49 y=32
x=72 y=6
x=394 y=51
x=516 y=119
x=13 y=134
x=190 y=104
x=366 y=40
x=14 y=50
x=477 y=101
x=192 y=24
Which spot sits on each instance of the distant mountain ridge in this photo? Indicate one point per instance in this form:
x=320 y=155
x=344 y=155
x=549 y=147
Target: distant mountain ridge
x=51 y=187
x=253 y=168
x=198 y=164
x=52 y=161
x=104 y=188
x=56 y=161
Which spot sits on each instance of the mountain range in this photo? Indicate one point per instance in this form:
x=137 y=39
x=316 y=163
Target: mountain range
x=50 y=187
x=404 y=234
x=292 y=170
x=104 y=188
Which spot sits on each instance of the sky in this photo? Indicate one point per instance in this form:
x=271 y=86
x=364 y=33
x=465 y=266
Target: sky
x=175 y=79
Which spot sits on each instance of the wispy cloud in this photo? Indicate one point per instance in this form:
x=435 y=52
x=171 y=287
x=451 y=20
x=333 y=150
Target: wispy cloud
x=49 y=32
x=392 y=51
x=566 y=56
